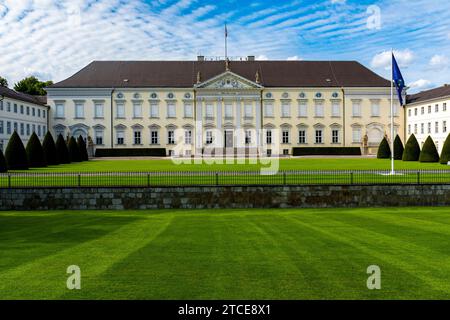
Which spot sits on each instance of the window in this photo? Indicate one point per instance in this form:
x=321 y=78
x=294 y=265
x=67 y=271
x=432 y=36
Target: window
x=357 y=135
x=268 y=109
x=269 y=136
x=409 y=112
x=99 y=137
x=120 y=110
x=188 y=111
x=59 y=110
x=285 y=136
x=248 y=136
x=15 y=108
x=319 y=109
x=429 y=127
x=444 y=126
x=209 y=111
x=409 y=129
x=28 y=129
x=415 y=111
x=356 y=109
x=39 y=112
x=33 y=128
x=429 y=109
x=422 y=110
x=319 y=136
x=286 y=110
x=396 y=109
x=99 y=111
x=415 y=129
x=444 y=107
x=375 y=109
x=209 y=137
x=8 y=106
x=248 y=111
x=21 y=109
x=302 y=136
x=8 y=127
x=120 y=137
x=1 y=105
x=154 y=110
x=154 y=137
x=44 y=130
x=302 y=110
x=137 y=137
x=436 y=127
x=285 y=152
x=171 y=111
x=228 y=111
x=79 y=110
x=170 y=137
x=39 y=130
x=1 y=126
x=436 y=108
x=188 y=136
x=137 y=110
x=335 y=136
x=335 y=109
x=22 y=129
x=422 y=128
x=44 y=114
x=16 y=127
x=28 y=111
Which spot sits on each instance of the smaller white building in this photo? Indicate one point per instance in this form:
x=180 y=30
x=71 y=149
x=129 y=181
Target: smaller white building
x=22 y=113
x=428 y=114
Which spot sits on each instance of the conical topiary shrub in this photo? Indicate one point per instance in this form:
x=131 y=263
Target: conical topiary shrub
x=429 y=152
x=412 y=149
x=445 y=154
x=49 y=147
x=83 y=149
x=16 y=156
x=61 y=150
x=384 y=151
x=74 y=152
x=35 y=153
x=3 y=167
x=398 y=148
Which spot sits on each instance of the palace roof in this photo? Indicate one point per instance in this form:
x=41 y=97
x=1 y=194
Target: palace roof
x=432 y=94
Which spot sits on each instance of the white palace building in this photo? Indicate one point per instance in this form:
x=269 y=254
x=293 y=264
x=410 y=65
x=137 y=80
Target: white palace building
x=188 y=107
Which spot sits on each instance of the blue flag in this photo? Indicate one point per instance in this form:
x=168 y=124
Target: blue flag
x=398 y=79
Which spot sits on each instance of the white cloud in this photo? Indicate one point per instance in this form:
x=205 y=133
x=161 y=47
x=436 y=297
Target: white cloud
x=383 y=60
x=439 y=61
x=262 y=57
x=421 y=84
x=338 y=1
x=294 y=58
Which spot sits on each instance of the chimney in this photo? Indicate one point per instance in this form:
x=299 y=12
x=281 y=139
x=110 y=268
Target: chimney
x=200 y=58
x=251 y=58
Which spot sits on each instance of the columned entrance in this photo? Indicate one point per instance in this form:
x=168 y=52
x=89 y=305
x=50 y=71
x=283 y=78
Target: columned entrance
x=229 y=139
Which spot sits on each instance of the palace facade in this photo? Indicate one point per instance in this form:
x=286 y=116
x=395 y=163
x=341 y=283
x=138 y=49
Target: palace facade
x=189 y=107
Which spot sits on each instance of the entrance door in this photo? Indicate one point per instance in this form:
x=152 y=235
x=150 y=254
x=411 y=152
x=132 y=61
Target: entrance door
x=229 y=139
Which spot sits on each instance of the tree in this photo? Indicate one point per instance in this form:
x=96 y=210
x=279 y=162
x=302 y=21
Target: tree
x=74 y=151
x=35 y=153
x=398 y=148
x=49 y=147
x=16 y=156
x=32 y=86
x=83 y=150
x=61 y=150
x=445 y=154
x=429 y=152
x=384 y=151
x=3 y=82
x=3 y=167
x=412 y=149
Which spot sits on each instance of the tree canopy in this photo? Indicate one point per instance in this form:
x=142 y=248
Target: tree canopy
x=3 y=82
x=32 y=86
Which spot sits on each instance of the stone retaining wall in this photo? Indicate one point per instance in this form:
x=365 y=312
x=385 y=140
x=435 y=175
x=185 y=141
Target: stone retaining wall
x=224 y=197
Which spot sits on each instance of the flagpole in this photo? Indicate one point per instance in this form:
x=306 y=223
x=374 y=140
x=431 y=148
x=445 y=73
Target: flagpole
x=392 y=113
x=226 y=42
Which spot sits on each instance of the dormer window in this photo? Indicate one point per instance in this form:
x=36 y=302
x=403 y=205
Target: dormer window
x=120 y=95
x=318 y=95
x=170 y=96
x=154 y=96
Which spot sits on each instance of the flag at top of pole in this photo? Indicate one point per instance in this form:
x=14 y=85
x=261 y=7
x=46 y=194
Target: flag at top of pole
x=397 y=77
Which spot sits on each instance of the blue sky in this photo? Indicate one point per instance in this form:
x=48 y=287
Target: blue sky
x=54 y=39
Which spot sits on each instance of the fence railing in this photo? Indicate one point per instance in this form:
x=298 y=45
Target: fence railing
x=155 y=179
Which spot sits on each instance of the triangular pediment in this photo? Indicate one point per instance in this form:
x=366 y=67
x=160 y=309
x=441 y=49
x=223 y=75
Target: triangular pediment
x=228 y=80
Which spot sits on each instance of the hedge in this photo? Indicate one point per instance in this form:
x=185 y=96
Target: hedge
x=398 y=148
x=445 y=154
x=74 y=151
x=35 y=153
x=157 y=152
x=16 y=156
x=61 y=150
x=412 y=149
x=327 y=151
x=83 y=149
x=3 y=167
x=49 y=147
x=384 y=150
x=429 y=152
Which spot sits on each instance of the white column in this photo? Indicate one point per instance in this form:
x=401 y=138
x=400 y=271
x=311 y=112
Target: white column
x=220 y=121
x=258 y=123
x=199 y=127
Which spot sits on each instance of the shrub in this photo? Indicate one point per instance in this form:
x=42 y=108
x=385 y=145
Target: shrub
x=35 y=153
x=429 y=152
x=445 y=154
x=16 y=156
x=74 y=151
x=61 y=150
x=412 y=149
x=83 y=150
x=398 y=148
x=156 y=152
x=49 y=147
x=384 y=150
x=3 y=167
x=323 y=151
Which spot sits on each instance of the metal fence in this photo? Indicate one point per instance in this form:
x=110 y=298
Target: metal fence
x=155 y=179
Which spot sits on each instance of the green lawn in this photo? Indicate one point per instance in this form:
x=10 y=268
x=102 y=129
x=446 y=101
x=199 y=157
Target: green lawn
x=285 y=164
x=229 y=254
